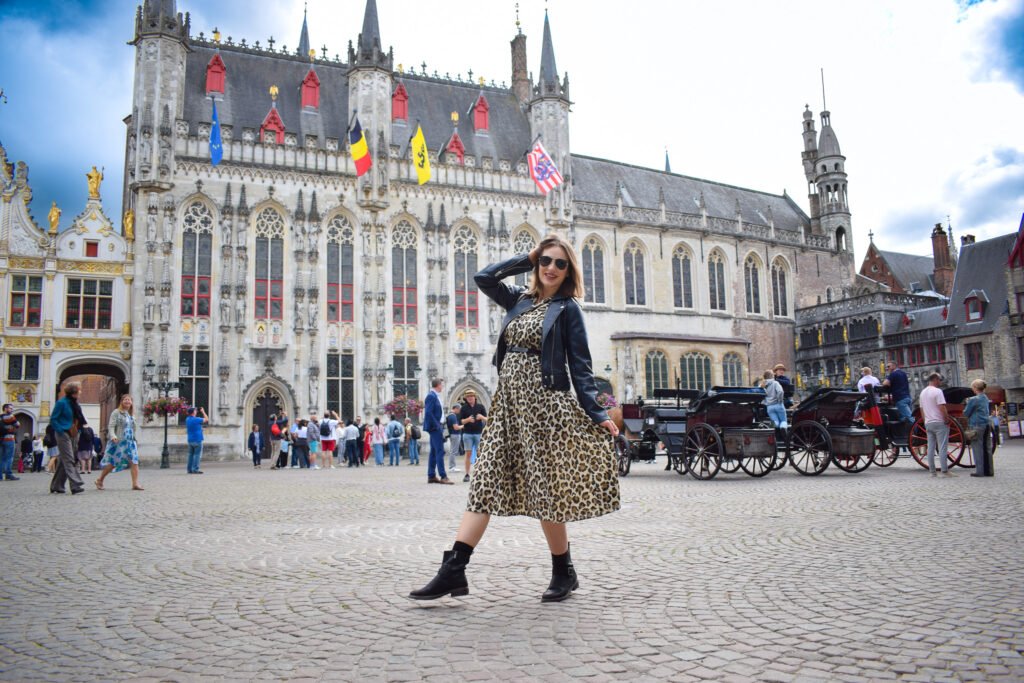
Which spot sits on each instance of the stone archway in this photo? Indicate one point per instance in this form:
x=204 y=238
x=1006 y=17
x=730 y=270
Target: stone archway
x=103 y=383
x=265 y=405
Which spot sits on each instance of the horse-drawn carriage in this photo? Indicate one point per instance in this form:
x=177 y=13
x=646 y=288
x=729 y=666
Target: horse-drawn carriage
x=825 y=430
x=892 y=434
x=718 y=430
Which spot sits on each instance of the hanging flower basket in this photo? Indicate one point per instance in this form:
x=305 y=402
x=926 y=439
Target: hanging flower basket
x=606 y=400
x=401 y=406
x=171 y=406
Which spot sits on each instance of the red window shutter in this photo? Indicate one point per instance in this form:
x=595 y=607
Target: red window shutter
x=215 y=75
x=456 y=147
x=311 y=90
x=481 y=115
x=400 y=104
x=274 y=124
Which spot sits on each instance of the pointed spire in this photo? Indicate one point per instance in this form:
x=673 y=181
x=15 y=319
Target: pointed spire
x=548 y=71
x=300 y=210
x=304 y=36
x=442 y=223
x=491 y=232
x=243 y=206
x=369 y=37
x=668 y=166
x=227 y=208
x=430 y=217
x=503 y=233
x=314 y=214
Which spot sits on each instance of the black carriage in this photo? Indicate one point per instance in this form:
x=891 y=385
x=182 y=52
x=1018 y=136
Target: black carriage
x=893 y=434
x=645 y=425
x=826 y=429
x=725 y=431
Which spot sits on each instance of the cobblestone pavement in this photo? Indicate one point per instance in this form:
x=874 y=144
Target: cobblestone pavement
x=300 y=575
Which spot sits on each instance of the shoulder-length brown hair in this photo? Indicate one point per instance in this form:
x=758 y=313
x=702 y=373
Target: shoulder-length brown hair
x=120 y=402
x=572 y=286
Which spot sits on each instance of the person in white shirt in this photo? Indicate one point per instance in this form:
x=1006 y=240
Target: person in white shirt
x=867 y=380
x=933 y=410
x=338 y=434
x=351 y=433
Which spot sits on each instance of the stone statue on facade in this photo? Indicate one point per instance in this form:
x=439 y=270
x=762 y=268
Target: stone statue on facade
x=225 y=311
x=129 y=225
x=225 y=232
x=240 y=311
x=145 y=152
x=54 y=218
x=312 y=392
x=381 y=242
x=222 y=395
x=165 y=310
x=94 y=178
x=151 y=227
x=148 y=310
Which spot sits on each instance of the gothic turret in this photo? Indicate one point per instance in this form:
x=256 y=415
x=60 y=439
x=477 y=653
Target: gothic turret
x=549 y=121
x=160 y=18
x=304 y=37
x=368 y=51
x=370 y=84
x=830 y=179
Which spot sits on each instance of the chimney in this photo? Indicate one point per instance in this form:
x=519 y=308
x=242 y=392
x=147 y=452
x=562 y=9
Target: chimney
x=966 y=239
x=943 y=264
x=520 y=75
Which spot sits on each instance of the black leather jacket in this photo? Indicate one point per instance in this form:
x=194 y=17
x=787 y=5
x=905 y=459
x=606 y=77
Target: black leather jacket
x=565 y=353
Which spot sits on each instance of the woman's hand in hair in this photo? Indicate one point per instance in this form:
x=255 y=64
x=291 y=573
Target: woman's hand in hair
x=610 y=426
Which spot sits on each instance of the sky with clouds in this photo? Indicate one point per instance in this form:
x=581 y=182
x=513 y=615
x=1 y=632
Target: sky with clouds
x=926 y=96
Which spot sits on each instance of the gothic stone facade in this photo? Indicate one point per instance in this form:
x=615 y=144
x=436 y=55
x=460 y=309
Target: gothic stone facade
x=278 y=278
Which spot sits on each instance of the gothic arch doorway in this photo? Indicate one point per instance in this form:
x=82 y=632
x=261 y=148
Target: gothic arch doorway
x=103 y=383
x=267 y=403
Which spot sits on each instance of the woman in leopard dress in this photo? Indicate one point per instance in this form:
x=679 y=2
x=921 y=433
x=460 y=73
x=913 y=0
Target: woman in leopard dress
x=546 y=452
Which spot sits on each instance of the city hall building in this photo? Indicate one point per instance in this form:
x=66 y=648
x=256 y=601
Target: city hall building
x=279 y=280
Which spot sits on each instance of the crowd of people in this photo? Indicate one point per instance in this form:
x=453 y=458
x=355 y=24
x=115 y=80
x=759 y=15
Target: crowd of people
x=328 y=441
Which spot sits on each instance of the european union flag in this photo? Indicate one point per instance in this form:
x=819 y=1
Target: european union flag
x=216 y=149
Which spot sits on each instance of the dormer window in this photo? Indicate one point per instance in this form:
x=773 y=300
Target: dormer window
x=400 y=104
x=481 y=115
x=311 y=91
x=215 y=75
x=974 y=305
x=272 y=130
x=456 y=147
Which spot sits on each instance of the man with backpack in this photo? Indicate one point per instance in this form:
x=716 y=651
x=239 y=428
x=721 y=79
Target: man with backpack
x=327 y=427
x=412 y=437
x=394 y=433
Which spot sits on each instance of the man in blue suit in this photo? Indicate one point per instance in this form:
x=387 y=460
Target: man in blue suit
x=432 y=415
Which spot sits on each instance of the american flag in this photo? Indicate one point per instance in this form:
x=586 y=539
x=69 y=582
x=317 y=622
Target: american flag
x=543 y=169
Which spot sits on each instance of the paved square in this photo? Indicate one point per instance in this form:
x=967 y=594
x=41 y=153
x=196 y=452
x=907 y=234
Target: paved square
x=300 y=575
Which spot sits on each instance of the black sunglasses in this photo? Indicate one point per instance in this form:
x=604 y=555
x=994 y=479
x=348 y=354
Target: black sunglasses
x=560 y=263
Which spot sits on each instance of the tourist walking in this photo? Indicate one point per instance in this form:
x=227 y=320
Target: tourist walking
x=933 y=410
x=122 y=452
x=547 y=453
x=378 y=439
x=37 y=453
x=339 y=426
x=26 y=453
x=10 y=425
x=50 y=443
x=66 y=418
x=454 y=438
x=352 y=457
x=473 y=416
x=432 y=414
x=976 y=412
x=360 y=440
x=194 y=433
x=395 y=433
x=255 y=446
x=328 y=436
x=85 y=450
x=367 y=444
x=413 y=434
x=279 y=440
x=313 y=439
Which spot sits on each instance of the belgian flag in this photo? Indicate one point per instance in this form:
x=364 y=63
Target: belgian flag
x=357 y=146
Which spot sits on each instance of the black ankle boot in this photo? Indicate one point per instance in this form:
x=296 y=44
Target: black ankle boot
x=563 y=579
x=451 y=578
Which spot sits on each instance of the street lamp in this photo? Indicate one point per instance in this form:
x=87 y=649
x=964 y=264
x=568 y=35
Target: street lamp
x=164 y=388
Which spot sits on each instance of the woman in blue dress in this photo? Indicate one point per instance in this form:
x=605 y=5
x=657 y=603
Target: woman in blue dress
x=121 y=453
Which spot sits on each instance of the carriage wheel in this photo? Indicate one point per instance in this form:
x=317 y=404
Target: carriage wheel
x=810 y=448
x=884 y=455
x=852 y=463
x=730 y=464
x=955 y=446
x=702 y=452
x=676 y=461
x=759 y=466
x=624 y=454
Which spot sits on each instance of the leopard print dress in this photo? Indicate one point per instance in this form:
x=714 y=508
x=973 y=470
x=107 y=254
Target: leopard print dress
x=540 y=454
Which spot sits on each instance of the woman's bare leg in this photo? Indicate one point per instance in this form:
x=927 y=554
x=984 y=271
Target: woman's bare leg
x=558 y=537
x=107 y=469
x=135 y=475
x=472 y=527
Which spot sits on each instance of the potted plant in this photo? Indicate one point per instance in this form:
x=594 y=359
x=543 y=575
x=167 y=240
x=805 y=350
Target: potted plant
x=402 y=406
x=169 y=406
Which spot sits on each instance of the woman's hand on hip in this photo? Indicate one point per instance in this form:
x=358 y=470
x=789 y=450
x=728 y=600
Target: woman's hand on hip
x=610 y=426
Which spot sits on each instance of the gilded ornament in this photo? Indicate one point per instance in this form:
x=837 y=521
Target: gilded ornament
x=129 y=225
x=54 y=217
x=44 y=409
x=25 y=263
x=94 y=178
x=96 y=267
x=22 y=342
x=87 y=344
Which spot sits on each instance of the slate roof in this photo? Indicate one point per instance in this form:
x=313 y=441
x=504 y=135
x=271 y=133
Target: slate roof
x=594 y=180
x=907 y=268
x=981 y=267
x=921 y=319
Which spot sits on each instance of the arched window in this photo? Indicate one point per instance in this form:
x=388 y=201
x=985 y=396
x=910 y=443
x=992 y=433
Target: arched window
x=403 y=274
x=340 y=270
x=780 y=302
x=655 y=372
x=400 y=104
x=523 y=243
x=695 y=371
x=752 y=284
x=467 y=296
x=269 y=265
x=593 y=271
x=732 y=370
x=196 y=260
x=716 y=282
x=682 y=278
x=840 y=239
x=828 y=295
x=633 y=258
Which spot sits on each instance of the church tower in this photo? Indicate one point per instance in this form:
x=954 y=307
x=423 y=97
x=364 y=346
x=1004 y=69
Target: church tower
x=810 y=158
x=370 y=85
x=830 y=179
x=549 y=120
